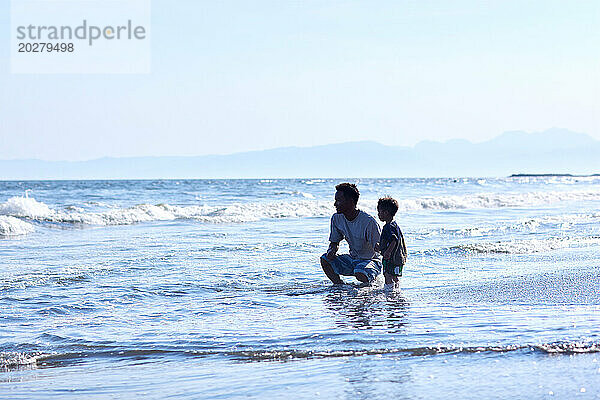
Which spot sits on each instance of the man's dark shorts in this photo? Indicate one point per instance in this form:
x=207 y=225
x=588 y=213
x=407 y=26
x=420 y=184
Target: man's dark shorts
x=345 y=265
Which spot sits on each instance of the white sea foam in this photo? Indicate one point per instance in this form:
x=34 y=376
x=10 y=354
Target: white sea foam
x=9 y=360
x=495 y=200
x=26 y=207
x=560 y=222
x=11 y=226
x=241 y=212
x=313 y=181
x=296 y=193
x=529 y=245
x=252 y=211
x=307 y=195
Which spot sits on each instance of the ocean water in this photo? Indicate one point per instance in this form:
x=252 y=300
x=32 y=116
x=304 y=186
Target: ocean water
x=213 y=289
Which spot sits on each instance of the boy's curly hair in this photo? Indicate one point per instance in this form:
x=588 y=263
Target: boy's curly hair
x=349 y=190
x=388 y=204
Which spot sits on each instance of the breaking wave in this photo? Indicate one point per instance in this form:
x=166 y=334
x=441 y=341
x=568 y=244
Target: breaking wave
x=27 y=207
x=528 y=245
x=496 y=200
x=11 y=226
x=15 y=360
x=561 y=222
x=546 y=348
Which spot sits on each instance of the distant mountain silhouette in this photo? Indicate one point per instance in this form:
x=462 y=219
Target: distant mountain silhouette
x=554 y=151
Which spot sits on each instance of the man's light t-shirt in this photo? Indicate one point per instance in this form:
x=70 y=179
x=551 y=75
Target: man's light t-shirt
x=362 y=233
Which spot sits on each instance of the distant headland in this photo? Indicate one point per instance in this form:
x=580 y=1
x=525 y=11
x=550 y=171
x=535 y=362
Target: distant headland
x=554 y=152
x=551 y=175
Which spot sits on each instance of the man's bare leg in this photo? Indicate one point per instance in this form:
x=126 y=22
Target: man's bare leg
x=361 y=277
x=328 y=269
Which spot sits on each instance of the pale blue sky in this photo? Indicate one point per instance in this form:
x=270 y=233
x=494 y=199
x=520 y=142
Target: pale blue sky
x=231 y=76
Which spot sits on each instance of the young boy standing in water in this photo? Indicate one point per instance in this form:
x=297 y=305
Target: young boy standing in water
x=391 y=244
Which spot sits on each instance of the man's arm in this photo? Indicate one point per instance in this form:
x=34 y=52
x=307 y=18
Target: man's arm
x=335 y=237
x=373 y=234
x=333 y=248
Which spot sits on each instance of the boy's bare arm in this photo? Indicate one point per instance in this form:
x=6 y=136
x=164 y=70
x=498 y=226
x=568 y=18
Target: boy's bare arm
x=390 y=250
x=333 y=248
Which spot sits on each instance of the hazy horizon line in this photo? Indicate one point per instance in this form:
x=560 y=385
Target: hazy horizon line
x=447 y=141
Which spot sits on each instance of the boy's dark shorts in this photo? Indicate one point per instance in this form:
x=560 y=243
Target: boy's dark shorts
x=391 y=269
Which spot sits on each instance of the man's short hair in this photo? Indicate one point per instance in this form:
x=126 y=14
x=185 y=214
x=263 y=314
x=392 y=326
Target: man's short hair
x=349 y=190
x=388 y=204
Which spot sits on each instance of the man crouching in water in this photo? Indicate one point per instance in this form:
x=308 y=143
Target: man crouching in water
x=362 y=233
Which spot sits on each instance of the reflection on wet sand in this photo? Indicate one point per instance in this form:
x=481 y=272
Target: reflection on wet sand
x=368 y=308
